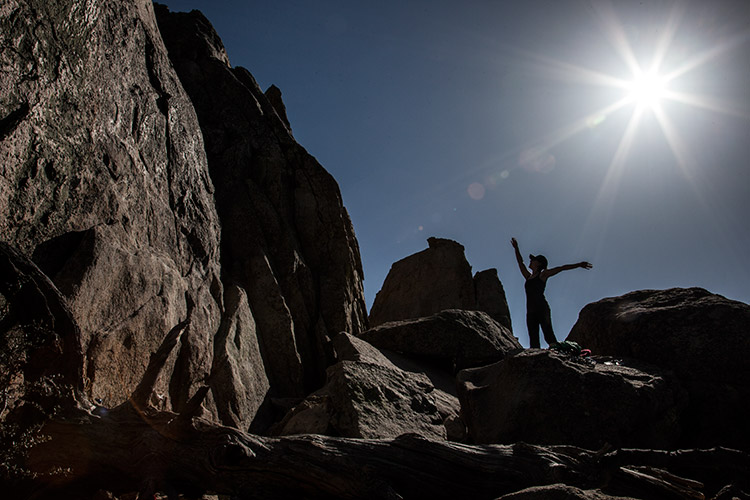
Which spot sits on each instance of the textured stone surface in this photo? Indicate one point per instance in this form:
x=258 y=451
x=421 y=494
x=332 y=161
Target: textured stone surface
x=104 y=180
x=287 y=239
x=238 y=379
x=560 y=492
x=368 y=396
x=543 y=397
x=437 y=279
x=456 y=338
x=40 y=343
x=490 y=297
x=350 y=348
x=425 y=283
x=703 y=337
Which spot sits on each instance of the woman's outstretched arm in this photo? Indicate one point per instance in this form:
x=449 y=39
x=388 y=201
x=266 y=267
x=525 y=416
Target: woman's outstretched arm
x=521 y=265
x=548 y=273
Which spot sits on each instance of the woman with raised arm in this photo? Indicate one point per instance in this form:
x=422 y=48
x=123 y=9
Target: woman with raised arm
x=537 y=309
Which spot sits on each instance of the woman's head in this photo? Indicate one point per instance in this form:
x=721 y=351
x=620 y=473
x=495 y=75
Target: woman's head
x=537 y=262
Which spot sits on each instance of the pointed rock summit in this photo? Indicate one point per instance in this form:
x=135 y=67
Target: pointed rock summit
x=437 y=279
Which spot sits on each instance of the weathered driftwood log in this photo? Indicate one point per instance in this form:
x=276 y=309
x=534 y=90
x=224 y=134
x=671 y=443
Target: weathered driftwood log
x=81 y=448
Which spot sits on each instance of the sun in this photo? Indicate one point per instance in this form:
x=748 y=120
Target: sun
x=651 y=92
x=647 y=90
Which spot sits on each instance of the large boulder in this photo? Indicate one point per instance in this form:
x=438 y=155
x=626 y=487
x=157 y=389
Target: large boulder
x=287 y=238
x=456 y=338
x=544 y=397
x=368 y=396
x=436 y=279
x=703 y=337
x=104 y=181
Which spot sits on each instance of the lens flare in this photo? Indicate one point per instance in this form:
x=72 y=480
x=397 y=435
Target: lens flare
x=476 y=191
x=537 y=160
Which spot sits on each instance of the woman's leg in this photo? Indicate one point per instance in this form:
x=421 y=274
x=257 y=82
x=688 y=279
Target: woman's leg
x=532 y=323
x=545 y=319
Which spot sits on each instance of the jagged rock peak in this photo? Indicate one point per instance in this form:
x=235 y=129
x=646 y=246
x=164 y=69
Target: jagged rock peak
x=273 y=93
x=437 y=279
x=201 y=41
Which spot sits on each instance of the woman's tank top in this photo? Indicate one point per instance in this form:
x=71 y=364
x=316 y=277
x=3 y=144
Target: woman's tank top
x=535 y=293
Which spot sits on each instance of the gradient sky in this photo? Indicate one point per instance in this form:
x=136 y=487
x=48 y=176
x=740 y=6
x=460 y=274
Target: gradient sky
x=483 y=120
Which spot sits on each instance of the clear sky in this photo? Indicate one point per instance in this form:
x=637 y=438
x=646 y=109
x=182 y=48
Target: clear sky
x=481 y=120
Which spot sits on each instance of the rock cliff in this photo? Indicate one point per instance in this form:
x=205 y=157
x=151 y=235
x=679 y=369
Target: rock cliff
x=104 y=181
x=287 y=238
x=436 y=279
x=141 y=200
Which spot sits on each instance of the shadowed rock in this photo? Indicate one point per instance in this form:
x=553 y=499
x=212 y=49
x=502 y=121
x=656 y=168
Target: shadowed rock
x=367 y=396
x=437 y=279
x=703 y=337
x=40 y=341
x=560 y=492
x=287 y=238
x=544 y=397
x=456 y=338
x=490 y=297
x=238 y=379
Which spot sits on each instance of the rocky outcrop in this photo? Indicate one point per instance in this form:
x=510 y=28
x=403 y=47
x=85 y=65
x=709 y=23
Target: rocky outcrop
x=104 y=180
x=141 y=449
x=454 y=338
x=287 y=238
x=436 y=279
x=543 y=397
x=367 y=396
x=702 y=337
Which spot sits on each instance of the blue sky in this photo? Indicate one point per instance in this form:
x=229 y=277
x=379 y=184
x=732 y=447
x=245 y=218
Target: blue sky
x=483 y=120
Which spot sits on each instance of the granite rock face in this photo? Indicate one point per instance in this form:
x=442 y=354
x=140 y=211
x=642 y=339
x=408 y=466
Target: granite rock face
x=543 y=397
x=490 y=297
x=107 y=182
x=454 y=338
x=287 y=238
x=436 y=279
x=367 y=396
x=104 y=180
x=238 y=379
x=702 y=337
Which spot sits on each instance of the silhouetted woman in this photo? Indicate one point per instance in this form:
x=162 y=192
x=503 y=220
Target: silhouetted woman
x=537 y=309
